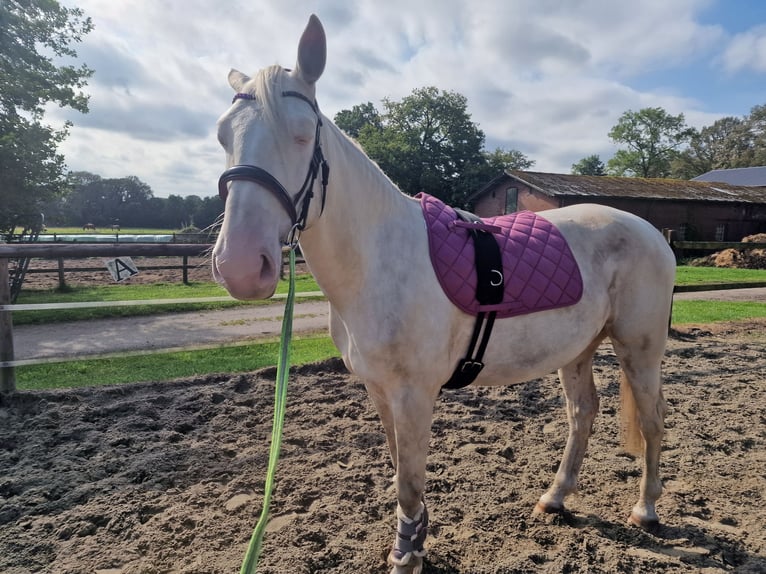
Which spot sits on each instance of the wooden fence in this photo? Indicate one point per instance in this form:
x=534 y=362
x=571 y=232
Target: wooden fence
x=61 y=251
x=61 y=270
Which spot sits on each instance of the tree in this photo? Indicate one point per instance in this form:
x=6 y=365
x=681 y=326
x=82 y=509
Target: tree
x=354 y=120
x=756 y=123
x=104 y=202
x=501 y=160
x=653 y=138
x=427 y=142
x=590 y=165
x=725 y=144
x=35 y=38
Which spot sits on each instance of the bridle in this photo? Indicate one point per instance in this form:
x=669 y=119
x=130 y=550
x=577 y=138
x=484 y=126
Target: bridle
x=261 y=176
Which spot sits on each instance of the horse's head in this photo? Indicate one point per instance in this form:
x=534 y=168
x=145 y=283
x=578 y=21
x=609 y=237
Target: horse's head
x=271 y=138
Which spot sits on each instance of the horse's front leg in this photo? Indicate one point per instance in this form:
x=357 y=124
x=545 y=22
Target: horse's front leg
x=406 y=413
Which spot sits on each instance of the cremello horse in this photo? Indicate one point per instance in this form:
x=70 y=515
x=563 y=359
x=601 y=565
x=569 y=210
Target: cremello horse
x=365 y=243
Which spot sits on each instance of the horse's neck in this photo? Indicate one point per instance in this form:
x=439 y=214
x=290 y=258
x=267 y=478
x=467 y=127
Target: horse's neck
x=342 y=246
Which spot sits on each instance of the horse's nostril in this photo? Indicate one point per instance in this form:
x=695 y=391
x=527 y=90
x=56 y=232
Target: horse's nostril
x=267 y=268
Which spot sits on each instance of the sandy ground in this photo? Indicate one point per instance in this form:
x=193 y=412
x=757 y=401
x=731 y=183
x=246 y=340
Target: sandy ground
x=167 y=477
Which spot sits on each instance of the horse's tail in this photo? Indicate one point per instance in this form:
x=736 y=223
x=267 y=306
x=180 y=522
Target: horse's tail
x=630 y=433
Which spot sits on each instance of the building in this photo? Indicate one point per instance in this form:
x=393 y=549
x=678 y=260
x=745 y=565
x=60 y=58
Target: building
x=697 y=210
x=747 y=176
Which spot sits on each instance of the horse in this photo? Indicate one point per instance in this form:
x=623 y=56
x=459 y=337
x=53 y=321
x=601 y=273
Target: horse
x=89 y=226
x=366 y=244
x=115 y=227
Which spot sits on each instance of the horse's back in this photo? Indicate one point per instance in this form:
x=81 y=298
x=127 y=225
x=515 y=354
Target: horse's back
x=600 y=233
x=624 y=257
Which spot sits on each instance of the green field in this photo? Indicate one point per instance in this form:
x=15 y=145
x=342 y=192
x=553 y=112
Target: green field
x=686 y=275
x=238 y=358
x=168 y=366
x=119 y=292
x=108 y=231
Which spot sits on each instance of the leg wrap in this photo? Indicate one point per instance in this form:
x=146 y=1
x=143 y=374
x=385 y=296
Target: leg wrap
x=410 y=536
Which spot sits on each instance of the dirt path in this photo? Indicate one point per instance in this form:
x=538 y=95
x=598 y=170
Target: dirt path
x=201 y=328
x=167 y=478
x=169 y=331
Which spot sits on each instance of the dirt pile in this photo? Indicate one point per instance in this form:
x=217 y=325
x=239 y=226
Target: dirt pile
x=736 y=258
x=158 y=478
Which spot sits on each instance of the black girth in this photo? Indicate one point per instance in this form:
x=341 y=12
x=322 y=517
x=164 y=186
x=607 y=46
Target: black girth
x=490 y=287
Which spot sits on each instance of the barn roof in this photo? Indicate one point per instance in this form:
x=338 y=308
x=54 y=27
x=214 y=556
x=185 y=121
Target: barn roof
x=567 y=185
x=750 y=176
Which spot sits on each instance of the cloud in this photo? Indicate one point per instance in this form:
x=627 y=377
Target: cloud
x=546 y=77
x=746 y=51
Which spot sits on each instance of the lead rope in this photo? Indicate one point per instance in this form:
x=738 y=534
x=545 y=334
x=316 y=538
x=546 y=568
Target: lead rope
x=280 y=401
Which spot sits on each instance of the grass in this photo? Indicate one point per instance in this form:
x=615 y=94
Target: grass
x=239 y=358
x=107 y=230
x=700 y=312
x=303 y=283
x=687 y=275
x=168 y=366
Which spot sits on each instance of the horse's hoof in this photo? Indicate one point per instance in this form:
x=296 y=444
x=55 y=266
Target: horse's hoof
x=543 y=508
x=648 y=524
x=414 y=567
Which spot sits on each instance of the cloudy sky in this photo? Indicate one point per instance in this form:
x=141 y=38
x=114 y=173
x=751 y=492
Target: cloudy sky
x=547 y=77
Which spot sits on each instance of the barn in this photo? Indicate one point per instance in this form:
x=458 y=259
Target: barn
x=697 y=210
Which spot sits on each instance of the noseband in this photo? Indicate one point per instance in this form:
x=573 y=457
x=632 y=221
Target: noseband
x=264 y=178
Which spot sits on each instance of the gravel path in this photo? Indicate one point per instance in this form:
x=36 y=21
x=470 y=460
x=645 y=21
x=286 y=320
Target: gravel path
x=161 y=332
x=204 y=328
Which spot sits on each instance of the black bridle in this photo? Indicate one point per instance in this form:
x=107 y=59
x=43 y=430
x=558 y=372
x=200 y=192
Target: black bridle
x=261 y=176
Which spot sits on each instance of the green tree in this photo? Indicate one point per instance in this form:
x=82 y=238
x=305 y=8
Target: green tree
x=35 y=39
x=653 y=138
x=427 y=142
x=353 y=121
x=106 y=201
x=756 y=123
x=501 y=160
x=725 y=144
x=590 y=165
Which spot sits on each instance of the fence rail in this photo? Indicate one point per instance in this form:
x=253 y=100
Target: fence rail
x=61 y=251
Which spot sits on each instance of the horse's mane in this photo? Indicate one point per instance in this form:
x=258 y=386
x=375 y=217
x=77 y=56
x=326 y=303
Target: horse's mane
x=265 y=86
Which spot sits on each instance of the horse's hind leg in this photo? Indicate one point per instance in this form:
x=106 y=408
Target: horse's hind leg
x=581 y=406
x=643 y=406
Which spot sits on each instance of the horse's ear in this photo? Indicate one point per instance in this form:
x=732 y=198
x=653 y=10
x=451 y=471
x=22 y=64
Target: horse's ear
x=312 y=51
x=237 y=80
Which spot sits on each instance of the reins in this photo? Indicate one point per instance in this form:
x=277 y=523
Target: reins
x=280 y=401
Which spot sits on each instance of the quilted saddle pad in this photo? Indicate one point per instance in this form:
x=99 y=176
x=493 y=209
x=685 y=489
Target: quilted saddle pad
x=539 y=269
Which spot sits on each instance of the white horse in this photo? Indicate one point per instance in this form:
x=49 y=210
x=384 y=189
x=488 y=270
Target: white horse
x=390 y=319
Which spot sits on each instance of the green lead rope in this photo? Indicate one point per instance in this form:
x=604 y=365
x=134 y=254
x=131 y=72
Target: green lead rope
x=280 y=400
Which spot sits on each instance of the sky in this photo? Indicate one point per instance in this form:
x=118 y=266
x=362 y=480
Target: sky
x=549 y=78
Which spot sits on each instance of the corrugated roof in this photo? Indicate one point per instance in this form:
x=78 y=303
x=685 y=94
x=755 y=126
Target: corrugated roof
x=749 y=176
x=567 y=185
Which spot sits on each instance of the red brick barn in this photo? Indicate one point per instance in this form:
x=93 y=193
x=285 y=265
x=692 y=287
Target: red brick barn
x=697 y=210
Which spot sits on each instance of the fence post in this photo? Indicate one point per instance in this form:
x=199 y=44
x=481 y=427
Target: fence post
x=7 y=374
x=62 y=283
x=186 y=269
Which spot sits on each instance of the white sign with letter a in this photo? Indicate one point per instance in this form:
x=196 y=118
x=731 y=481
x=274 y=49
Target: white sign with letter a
x=121 y=268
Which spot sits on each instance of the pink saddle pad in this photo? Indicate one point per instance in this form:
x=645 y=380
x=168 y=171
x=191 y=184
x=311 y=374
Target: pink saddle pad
x=540 y=270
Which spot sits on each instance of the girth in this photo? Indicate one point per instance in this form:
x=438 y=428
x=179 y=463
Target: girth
x=490 y=287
